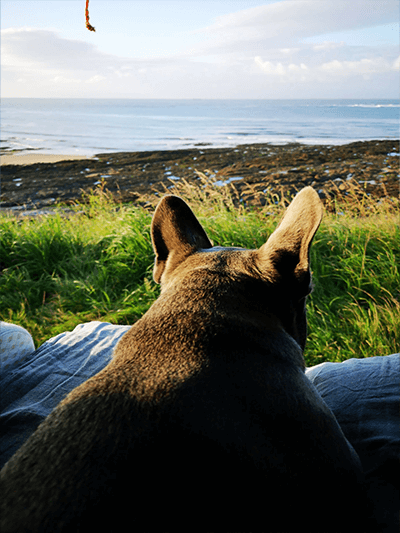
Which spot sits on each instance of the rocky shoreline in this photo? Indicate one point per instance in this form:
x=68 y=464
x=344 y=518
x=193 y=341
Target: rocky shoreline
x=371 y=166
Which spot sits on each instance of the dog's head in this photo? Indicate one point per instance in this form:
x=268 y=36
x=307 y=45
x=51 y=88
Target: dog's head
x=281 y=265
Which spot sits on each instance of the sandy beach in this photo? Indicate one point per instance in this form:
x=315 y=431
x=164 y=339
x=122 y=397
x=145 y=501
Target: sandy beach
x=37 y=180
x=30 y=159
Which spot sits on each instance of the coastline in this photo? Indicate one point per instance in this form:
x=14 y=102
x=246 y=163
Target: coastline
x=38 y=180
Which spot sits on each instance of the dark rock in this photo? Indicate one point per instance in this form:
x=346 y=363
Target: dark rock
x=282 y=169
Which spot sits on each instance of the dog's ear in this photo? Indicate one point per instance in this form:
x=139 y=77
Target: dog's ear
x=175 y=233
x=288 y=246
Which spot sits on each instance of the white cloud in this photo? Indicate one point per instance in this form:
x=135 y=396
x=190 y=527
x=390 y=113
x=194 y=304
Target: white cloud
x=288 y=51
x=289 y=21
x=31 y=48
x=62 y=80
x=260 y=52
x=278 y=69
x=44 y=57
x=353 y=68
x=96 y=79
x=297 y=68
x=331 y=70
x=327 y=45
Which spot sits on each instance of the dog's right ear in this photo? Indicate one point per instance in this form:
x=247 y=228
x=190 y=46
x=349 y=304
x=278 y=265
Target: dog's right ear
x=287 y=249
x=175 y=233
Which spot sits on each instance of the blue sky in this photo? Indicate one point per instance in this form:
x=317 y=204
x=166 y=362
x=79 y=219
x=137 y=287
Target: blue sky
x=200 y=49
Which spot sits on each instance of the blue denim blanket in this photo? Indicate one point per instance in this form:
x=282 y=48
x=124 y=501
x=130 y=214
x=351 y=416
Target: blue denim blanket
x=364 y=394
x=34 y=384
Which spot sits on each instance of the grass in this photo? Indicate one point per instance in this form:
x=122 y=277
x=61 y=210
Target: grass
x=97 y=264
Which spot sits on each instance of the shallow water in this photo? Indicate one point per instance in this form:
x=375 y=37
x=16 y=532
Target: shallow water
x=80 y=126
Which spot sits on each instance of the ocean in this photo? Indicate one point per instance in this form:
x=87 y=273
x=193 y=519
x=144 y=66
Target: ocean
x=88 y=127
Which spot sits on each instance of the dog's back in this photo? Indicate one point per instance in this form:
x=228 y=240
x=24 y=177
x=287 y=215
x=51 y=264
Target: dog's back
x=204 y=420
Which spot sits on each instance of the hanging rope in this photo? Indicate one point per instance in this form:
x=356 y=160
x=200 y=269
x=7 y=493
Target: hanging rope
x=88 y=25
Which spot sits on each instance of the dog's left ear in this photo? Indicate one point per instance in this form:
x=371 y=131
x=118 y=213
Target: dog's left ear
x=175 y=233
x=289 y=245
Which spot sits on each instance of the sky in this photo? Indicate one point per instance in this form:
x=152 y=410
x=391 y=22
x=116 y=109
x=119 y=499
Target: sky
x=200 y=49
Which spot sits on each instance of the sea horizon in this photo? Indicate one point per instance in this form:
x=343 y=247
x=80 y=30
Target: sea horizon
x=198 y=98
x=89 y=126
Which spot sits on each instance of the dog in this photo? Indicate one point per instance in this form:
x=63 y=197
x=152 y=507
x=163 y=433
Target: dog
x=204 y=419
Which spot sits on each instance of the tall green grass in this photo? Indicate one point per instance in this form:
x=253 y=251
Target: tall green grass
x=58 y=272
x=354 y=310
x=97 y=264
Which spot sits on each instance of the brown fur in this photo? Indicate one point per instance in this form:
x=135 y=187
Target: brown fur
x=204 y=419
